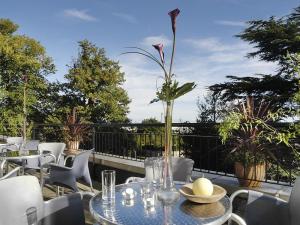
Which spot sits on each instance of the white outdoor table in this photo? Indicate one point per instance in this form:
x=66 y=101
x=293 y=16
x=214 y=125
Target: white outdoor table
x=135 y=213
x=17 y=155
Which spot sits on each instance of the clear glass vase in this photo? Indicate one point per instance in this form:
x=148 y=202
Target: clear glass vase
x=168 y=194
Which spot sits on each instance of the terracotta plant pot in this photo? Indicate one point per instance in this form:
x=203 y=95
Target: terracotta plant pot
x=72 y=146
x=251 y=176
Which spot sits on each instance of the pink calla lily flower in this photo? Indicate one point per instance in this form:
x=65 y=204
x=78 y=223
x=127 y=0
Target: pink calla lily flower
x=159 y=48
x=173 y=14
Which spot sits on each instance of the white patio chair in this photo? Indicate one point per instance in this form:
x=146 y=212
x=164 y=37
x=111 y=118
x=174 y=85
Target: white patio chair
x=52 y=152
x=22 y=194
x=67 y=176
x=264 y=209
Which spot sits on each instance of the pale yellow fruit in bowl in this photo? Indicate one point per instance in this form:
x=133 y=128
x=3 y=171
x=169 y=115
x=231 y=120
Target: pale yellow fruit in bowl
x=203 y=186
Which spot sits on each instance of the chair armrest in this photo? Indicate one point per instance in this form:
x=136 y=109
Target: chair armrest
x=44 y=154
x=236 y=218
x=15 y=172
x=263 y=208
x=87 y=193
x=236 y=193
x=134 y=179
x=69 y=157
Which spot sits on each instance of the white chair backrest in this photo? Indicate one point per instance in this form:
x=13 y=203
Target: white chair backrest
x=80 y=164
x=55 y=148
x=14 y=140
x=17 y=195
x=31 y=145
x=182 y=168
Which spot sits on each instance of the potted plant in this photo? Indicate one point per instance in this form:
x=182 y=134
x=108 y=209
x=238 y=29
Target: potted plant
x=74 y=131
x=251 y=136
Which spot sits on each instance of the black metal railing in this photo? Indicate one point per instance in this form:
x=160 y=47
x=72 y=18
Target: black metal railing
x=199 y=142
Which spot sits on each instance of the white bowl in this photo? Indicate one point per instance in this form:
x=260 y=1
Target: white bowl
x=187 y=191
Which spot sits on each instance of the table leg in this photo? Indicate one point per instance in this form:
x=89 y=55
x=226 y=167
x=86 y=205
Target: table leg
x=22 y=172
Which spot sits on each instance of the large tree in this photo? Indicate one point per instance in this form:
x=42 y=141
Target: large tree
x=94 y=87
x=23 y=61
x=211 y=108
x=277 y=89
x=273 y=39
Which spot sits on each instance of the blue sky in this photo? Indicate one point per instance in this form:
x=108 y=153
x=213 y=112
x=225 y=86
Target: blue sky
x=207 y=50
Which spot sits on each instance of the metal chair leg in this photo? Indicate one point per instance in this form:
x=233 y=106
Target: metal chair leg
x=7 y=167
x=2 y=168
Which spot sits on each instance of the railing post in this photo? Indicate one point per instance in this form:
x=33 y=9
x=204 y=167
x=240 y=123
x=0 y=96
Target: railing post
x=94 y=138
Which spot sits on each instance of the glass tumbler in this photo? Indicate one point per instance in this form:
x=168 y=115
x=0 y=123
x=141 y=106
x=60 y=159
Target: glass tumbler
x=149 y=168
x=108 y=186
x=148 y=196
x=157 y=172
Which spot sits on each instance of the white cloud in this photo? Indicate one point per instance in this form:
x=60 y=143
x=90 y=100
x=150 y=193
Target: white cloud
x=79 y=14
x=151 y=40
x=126 y=17
x=205 y=68
x=231 y=23
x=213 y=44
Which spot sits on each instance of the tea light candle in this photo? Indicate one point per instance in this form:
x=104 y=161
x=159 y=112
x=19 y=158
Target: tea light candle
x=150 y=201
x=128 y=202
x=128 y=193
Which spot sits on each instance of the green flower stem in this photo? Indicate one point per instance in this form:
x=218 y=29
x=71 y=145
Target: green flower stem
x=172 y=56
x=168 y=128
x=167 y=175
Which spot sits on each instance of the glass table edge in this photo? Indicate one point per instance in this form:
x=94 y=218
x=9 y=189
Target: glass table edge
x=101 y=219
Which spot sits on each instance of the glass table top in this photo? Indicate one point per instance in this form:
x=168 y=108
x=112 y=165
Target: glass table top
x=136 y=212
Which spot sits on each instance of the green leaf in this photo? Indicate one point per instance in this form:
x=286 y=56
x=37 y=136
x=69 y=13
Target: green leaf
x=183 y=89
